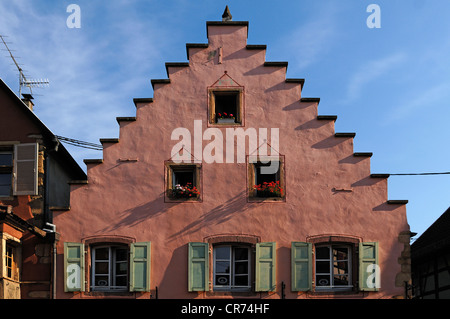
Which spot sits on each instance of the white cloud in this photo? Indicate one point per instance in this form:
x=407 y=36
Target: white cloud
x=311 y=41
x=369 y=72
x=423 y=102
x=93 y=71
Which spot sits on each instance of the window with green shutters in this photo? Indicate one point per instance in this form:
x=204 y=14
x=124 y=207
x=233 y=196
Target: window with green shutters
x=301 y=266
x=332 y=266
x=265 y=268
x=113 y=267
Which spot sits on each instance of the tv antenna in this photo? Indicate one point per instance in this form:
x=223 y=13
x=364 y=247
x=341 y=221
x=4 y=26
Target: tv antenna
x=23 y=81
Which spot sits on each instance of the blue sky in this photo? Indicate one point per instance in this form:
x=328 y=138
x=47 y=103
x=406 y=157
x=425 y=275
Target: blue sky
x=390 y=85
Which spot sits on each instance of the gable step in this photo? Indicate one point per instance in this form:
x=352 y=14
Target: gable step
x=310 y=99
x=298 y=81
x=109 y=140
x=142 y=100
x=363 y=154
x=159 y=81
x=93 y=161
x=398 y=202
x=125 y=119
x=277 y=64
x=345 y=134
x=195 y=45
x=175 y=65
x=256 y=47
x=379 y=175
x=327 y=117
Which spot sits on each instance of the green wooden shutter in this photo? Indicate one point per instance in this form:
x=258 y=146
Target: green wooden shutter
x=265 y=267
x=369 y=271
x=140 y=262
x=301 y=266
x=198 y=267
x=73 y=267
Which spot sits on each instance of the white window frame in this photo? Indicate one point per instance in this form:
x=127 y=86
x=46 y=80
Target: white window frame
x=112 y=268
x=331 y=274
x=231 y=286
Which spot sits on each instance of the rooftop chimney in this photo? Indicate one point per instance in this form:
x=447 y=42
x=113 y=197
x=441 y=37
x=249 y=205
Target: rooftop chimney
x=26 y=98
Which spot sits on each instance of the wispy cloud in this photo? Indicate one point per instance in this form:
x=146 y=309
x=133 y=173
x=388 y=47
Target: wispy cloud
x=429 y=98
x=312 y=40
x=369 y=72
x=93 y=78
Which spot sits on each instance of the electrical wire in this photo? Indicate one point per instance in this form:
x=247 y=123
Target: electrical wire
x=419 y=174
x=79 y=143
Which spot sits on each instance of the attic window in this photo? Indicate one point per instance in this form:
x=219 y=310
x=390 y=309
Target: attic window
x=225 y=106
x=182 y=182
x=266 y=179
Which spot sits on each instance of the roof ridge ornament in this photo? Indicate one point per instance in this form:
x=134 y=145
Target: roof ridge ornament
x=226 y=16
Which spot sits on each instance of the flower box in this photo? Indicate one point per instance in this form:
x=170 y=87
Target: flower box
x=226 y=121
x=271 y=189
x=184 y=192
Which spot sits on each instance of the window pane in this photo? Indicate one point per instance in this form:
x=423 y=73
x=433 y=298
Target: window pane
x=102 y=253
x=121 y=281
x=241 y=253
x=101 y=281
x=323 y=280
x=121 y=268
x=340 y=253
x=222 y=267
x=222 y=252
x=223 y=280
x=341 y=267
x=121 y=254
x=341 y=280
x=241 y=268
x=323 y=267
x=322 y=252
x=6 y=159
x=101 y=268
x=182 y=178
x=241 y=280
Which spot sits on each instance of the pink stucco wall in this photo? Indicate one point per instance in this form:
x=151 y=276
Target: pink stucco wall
x=126 y=198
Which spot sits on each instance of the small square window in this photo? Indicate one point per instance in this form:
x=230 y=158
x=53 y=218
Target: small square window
x=266 y=178
x=225 y=106
x=182 y=182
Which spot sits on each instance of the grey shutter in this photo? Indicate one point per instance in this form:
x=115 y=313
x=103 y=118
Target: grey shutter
x=26 y=169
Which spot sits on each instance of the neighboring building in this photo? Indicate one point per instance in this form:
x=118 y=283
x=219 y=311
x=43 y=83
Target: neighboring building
x=34 y=174
x=172 y=210
x=430 y=259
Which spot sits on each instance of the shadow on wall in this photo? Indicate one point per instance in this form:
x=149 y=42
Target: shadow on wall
x=174 y=282
x=138 y=214
x=218 y=215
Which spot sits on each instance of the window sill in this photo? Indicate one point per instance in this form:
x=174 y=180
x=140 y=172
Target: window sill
x=231 y=294
x=107 y=294
x=182 y=200
x=334 y=294
x=267 y=199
